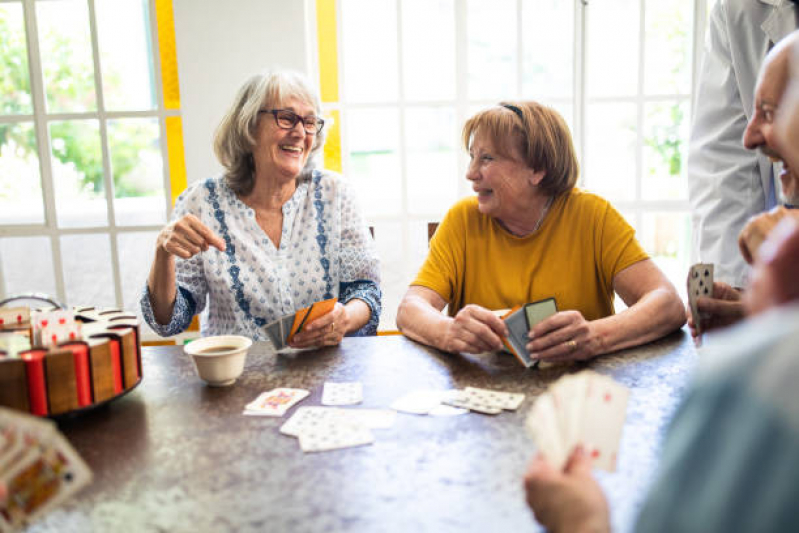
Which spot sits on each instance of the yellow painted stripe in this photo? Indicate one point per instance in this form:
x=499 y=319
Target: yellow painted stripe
x=166 y=46
x=177 y=161
x=333 y=143
x=328 y=49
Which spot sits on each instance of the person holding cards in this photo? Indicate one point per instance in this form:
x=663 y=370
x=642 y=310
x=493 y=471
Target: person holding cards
x=529 y=234
x=730 y=460
x=725 y=307
x=272 y=234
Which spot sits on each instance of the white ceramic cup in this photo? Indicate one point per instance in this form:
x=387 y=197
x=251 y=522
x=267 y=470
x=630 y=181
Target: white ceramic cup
x=219 y=360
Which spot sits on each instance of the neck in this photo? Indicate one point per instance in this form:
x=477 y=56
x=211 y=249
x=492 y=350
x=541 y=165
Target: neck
x=529 y=221
x=269 y=193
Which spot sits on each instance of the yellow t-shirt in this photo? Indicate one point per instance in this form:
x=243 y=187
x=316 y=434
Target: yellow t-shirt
x=581 y=245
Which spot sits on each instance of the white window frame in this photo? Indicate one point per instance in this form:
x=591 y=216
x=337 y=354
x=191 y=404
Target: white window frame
x=41 y=120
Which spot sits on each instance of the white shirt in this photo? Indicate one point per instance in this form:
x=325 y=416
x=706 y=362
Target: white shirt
x=325 y=251
x=728 y=184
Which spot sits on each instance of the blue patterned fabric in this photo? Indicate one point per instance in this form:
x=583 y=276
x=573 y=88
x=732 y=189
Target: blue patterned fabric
x=325 y=251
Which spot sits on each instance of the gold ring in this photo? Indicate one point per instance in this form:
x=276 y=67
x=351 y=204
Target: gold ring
x=332 y=326
x=572 y=344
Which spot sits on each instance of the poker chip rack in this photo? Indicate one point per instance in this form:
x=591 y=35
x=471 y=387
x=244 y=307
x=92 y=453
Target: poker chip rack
x=76 y=375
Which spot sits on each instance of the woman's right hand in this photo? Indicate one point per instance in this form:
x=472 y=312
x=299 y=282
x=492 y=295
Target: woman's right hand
x=186 y=237
x=474 y=329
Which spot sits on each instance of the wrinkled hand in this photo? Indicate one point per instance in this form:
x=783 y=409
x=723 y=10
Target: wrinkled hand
x=569 y=501
x=759 y=227
x=565 y=336
x=724 y=309
x=327 y=330
x=474 y=329
x=186 y=237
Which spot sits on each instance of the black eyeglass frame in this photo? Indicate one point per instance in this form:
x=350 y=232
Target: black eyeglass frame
x=318 y=123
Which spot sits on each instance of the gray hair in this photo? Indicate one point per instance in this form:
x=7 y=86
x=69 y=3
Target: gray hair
x=234 y=139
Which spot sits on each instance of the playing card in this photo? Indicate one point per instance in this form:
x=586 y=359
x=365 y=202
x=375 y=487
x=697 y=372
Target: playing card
x=275 y=402
x=568 y=394
x=309 y=314
x=273 y=331
x=335 y=436
x=603 y=419
x=473 y=402
x=516 y=342
x=14 y=316
x=342 y=393
x=419 y=402
x=700 y=283
x=542 y=426
x=45 y=471
x=309 y=417
x=504 y=400
x=539 y=311
x=285 y=327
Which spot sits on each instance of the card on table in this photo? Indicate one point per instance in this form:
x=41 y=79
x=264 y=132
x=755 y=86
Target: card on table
x=310 y=417
x=474 y=402
x=504 y=400
x=342 y=393
x=275 y=402
x=426 y=402
x=520 y=320
x=700 y=284
x=334 y=436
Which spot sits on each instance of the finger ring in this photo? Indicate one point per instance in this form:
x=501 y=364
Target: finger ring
x=332 y=326
x=572 y=344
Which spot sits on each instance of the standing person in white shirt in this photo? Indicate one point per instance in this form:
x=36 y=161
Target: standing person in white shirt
x=728 y=184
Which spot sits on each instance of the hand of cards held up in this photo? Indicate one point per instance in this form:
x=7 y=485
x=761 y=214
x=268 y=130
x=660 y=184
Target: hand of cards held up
x=585 y=409
x=700 y=284
x=38 y=467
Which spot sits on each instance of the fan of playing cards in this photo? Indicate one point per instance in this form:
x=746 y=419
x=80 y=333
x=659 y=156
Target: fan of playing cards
x=38 y=467
x=585 y=409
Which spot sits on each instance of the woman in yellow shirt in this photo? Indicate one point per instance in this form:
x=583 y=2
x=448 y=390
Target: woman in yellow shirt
x=529 y=234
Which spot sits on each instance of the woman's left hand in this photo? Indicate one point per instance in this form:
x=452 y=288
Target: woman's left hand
x=565 y=336
x=327 y=330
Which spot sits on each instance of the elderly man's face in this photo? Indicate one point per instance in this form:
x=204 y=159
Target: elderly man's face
x=760 y=132
x=786 y=125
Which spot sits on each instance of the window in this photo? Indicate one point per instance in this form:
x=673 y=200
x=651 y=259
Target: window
x=410 y=72
x=84 y=157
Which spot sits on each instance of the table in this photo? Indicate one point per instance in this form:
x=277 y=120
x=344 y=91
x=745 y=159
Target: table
x=177 y=455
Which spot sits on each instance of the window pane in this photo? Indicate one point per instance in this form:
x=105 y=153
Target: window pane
x=610 y=152
x=20 y=183
x=136 y=252
x=492 y=49
x=668 y=46
x=393 y=265
x=138 y=172
x=87 y=270
x=428 y=49
x=369 y=42
x=15 y=88
x=612 y=48
x=665 y=150
x=667 y=238
x=78 y=173
x=432 y=167
x=123 y=34
x=66 y=51
x=374 y=165
x=548 y=42
x=27 y=265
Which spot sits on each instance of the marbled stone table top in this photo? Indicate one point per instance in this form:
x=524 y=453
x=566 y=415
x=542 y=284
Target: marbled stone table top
x=177 y=455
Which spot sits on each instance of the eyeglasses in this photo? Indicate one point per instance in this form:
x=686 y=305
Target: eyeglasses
x=287 y=119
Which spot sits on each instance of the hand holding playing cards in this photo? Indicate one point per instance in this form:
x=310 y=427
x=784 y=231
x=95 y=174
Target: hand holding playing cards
x=570 y=500
x=724 y=309
x=474 y=329
x=327 y=330
x=186 y=237
x=565 y=336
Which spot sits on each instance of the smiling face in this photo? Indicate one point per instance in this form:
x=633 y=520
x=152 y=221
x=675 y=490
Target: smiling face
x=281 y=153
x=760 y=132
x=504 y=185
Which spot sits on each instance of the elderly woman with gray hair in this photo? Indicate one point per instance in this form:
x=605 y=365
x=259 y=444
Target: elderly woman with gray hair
x=271 y=235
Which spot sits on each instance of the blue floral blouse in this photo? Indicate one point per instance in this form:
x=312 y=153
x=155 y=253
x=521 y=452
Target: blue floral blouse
x=325 y=251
